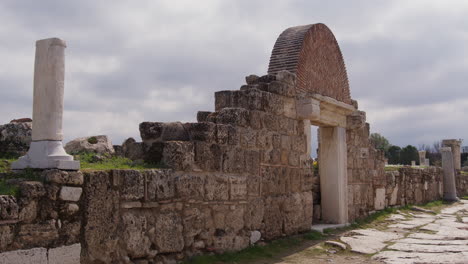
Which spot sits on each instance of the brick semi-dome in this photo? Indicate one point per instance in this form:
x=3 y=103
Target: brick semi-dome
x=312 y=53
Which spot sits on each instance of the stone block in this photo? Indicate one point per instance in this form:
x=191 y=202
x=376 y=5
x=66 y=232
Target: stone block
x=238 y=187
x=204 y=131
x=178 y=155
x=28 y=256
x=293 y=214
x=160 y=184
x=281 y=88
x=133 y=150
x=132 y=184
x=270 y=122
x=101 y=215
x=217 y=188
x=28 y=212
x=233 y=160
x=33 y=235
x=234 y=116
x=272 y=181
x=190 y=186
x=252 y=162
x=208 y=156
x=151 y=131
x=264 y=140
x=202 y=116
x=227 y=135
x=134 y=235
x=248 y=137
x=273 y=218
x=252 y=79
x=194 y=221
x=63 y=177
x=72 y=194
x=7 y=236
x=9 y=208
x=65 y=255
x=235 y=219
x=253 y=185
x=167 y=234
x=32 y=189
x=256 y=119
x=379 y=200
x=255 y=210
x=156 y=131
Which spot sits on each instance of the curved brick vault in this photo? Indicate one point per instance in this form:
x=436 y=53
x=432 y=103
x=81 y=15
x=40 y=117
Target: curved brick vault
x=312 y=53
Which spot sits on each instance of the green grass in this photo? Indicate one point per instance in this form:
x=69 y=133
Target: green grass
x=5 y=165
x=256 y=252
x=392 y=168
x=92 y=161
x=7 y=188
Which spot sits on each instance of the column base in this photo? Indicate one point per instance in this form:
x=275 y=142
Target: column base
x=46 y=155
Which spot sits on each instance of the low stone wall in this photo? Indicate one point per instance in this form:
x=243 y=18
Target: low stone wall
x=42 y=224
x=461 y=179
x=166 y=215
x=410 y=186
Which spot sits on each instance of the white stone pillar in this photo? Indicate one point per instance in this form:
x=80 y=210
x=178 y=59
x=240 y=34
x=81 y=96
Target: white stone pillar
x=422 y=158
x=46 y=150
x=333 y=175
x=455 y=145
x=450 y=191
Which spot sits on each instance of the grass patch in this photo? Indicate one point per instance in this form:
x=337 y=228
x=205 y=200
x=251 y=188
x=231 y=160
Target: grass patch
x=392 y=168
x=10 y=187
x=5 y=165
x=268 y=251
x=93 y=161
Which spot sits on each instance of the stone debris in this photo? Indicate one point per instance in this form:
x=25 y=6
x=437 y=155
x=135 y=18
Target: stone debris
x=399 y=257
x=337 y=244
x=419 y=209
x=368 y=241
x=98 y=144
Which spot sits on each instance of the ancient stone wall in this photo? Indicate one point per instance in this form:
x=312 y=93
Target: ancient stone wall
x=461 y=179
x=240 y=173
x=42 y=223
x=411 y=186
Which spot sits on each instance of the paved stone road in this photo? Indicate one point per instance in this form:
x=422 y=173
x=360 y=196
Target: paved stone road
x=417 y=238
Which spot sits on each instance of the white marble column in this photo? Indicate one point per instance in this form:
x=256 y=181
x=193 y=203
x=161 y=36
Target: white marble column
x=46 y=150
x=422 y=158
x=456 y=151
x=333 y=175
x=450 y=191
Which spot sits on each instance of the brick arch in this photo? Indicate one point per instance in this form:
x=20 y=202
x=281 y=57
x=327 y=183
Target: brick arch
x=313 y=54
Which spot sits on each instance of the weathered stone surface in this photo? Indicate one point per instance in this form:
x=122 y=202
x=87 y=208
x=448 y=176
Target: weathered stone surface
x=38 y=234
x=8 y=207
x=32 y=189
x=217 y=188
x=137 y=243
x=255 y=236
x=160 y=184
x=99 y=144
x=72 y=194
x=15 y=138
x=28 y=212
x=65 y=254
x=168 y=236
x=63 y=177
x=368 y=241
x=189 y=186
x=6 y=236
x=28 y=256
x=133 y=150
x=101 y=213
x=132 y=184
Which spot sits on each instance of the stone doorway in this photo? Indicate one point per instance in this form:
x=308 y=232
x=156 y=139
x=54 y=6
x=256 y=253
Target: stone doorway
x=322 y=99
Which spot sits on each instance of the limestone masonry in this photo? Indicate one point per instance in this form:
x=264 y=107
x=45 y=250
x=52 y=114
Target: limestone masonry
x=240 y=174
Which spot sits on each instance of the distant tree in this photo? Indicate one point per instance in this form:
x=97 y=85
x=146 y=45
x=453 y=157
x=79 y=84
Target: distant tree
x=393 y=155
x=436 y=147
x=408 y=154
x=379 y=142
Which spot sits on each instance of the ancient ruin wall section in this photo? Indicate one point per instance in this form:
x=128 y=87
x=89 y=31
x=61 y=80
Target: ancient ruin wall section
x=313 y=54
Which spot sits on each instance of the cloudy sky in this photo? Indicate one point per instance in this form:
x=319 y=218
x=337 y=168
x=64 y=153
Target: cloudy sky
x=162 y=60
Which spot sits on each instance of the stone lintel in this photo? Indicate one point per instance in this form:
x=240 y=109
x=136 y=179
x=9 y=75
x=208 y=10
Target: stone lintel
x=323 y=111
